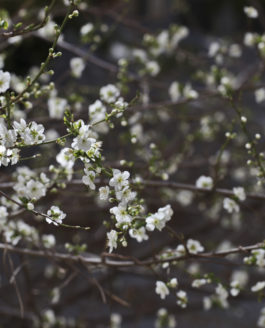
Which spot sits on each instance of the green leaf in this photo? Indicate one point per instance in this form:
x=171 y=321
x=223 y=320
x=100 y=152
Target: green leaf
x=4 y=24
x=18 y=25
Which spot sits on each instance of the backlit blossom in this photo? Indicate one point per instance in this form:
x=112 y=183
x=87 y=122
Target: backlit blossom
x=109 y=93
x=161 y=289
x=204 y=182
x=230 y=205
x=4 y=81
x=251 y=12
x=112 y=237
x=56 y=216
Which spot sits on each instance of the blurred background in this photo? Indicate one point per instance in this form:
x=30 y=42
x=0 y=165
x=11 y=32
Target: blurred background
x=119 y=27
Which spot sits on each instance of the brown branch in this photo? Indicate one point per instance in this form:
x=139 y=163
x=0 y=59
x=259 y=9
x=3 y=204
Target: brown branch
x=183 y=186
x=97 y=260
x=14 y=283
x=84 y=54
x=117 y=299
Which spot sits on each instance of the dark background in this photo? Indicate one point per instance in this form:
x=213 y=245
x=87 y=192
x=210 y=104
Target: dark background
x=207 y=20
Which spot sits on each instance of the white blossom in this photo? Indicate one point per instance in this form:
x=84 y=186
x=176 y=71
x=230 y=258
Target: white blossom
x=48 y=241
x=230 y=205
x=260 y=95
x=239 y=192
x=97 y=112
x=8 y=156
x=88 y=178
x=250 y=39
x=86 y=29
x=48 y=30
x=49 y=317
x=189 y=93
x=182 y=298
x=204 y=182
x=180 y=250
x=119 y=179
x=35 y=189
x=174 y=91
x=258 y=286
x=163 y=318
x=112 y=237
x=159 y=219
x=240 y=276
x=161 y=289
x=184 y=197
x=140 y=55
x=261 y=320
x=97 y=109
x=85 y=139
x=259 y=255
x=2 y=58
x=173 y=283
x=194 y=246
x=55 y=295
x=3 y=216
x=8 y=137
x=115 y=320
x=234 y=288
x=57 y=107
x=251 y=12
x=181 y=33
x=152 y=67
x=109 y=93
x=56 y=216
x=222 y=295
x=77 y=66
x=121 y=214
x=199 y=282
x=104 y=193
x=235 y=50
x=66 y=158
x=32 y=133
x=125 y=195
x=207 y=303
x=4 y=81
x=213 y=49
x=138 y=234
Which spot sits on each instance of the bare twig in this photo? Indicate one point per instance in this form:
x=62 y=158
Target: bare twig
x=97 y=260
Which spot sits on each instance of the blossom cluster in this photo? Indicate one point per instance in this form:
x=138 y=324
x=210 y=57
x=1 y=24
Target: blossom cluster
x=128 y=153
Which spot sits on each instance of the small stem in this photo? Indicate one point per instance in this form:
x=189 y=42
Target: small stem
x=255 y=153
x=8 y=111
x=34 y=27
x=47 y=61
x=46 y=216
